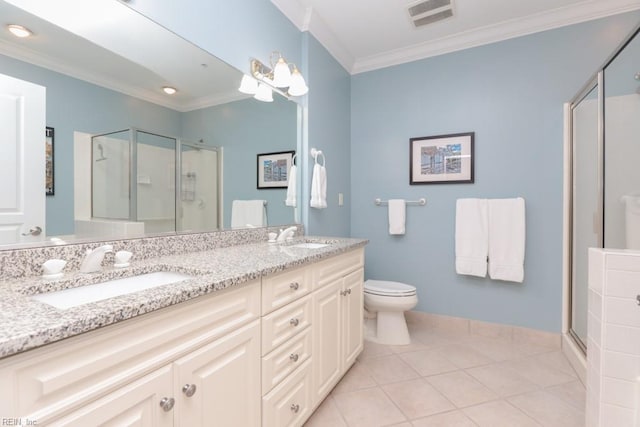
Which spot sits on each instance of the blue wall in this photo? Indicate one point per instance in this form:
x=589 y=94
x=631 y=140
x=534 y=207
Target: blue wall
x=511 y=95
x=244 y=129
x=329 y=127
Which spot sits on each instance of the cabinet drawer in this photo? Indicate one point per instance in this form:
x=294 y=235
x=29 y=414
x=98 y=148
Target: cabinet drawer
x=55 y=378
x=289 y=404
x=285 y=359
x=282 y=288
x=279 y=326
x=335 y=267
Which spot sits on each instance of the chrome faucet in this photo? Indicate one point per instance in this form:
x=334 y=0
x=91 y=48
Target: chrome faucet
x=92 y=260
x=286 y=234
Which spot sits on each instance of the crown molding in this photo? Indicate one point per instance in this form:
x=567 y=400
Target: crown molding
x=580 y=12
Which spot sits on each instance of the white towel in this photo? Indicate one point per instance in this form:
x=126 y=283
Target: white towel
x=248 y=213
x=506 y=239
x=318 y=187
x=291 y=187
x=472 y=237
x=397 y=216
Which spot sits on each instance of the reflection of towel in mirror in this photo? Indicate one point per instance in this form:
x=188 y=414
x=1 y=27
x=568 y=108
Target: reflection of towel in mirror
x=319 y=187
x=291 y=187
x=248 y=213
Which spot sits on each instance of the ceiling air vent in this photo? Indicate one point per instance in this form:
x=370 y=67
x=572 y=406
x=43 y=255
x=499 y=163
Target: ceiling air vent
x=430 y=11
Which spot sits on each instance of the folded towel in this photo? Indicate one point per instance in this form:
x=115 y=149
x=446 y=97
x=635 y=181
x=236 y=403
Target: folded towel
x=397 y=216
x=248 y=213
x=291 y=187
x=318 y=187
x=472 y=237
x=506 y=239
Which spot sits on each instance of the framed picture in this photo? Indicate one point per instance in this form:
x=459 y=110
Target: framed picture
x=441 y=159
x=273 y=169
x=48 y=174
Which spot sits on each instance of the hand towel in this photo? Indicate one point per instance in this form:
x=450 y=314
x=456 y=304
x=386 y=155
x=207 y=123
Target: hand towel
x=472 y=237
x=506 y=239
x=397 y=216
x=318 y=187
x=248 y=213
x=292 y=186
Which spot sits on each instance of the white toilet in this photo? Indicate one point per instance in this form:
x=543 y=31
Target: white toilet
x=385 y=303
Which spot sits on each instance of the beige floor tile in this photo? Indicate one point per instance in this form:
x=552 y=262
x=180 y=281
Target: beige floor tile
x=499 y=414
x=414 y=346
x=572 y=393
x=326 y=415
x=372 y=349
x=548 y=410
x=463 y=356
x=417 y=398
x=389 y=369
x=497 y=349
x=401 y=425
x=432 y=338
x=556 y=360
x=502 y=380
x=368 y=408
x=461 y=388
x=428 y=362
x=357 y=378
x=539 y=373
x=448 y=419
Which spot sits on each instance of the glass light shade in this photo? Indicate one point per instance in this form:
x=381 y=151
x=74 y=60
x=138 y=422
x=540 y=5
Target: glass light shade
x=298 y=86
x=169 y=90
x=281 y=74
x=264 y=93
x=248 y=85
x=19 y=30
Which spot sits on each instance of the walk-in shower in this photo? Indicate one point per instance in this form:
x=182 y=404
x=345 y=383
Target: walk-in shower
x=157 y=183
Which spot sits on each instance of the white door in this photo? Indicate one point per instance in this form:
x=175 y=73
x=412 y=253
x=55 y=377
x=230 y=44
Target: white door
x=22 y=161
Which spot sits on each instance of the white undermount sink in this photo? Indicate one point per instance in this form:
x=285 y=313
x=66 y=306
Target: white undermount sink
x=74 y=297
x=310 y=245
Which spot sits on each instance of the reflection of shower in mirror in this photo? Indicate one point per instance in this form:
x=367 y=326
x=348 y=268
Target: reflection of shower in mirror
x=101 y=150
x=632 y=220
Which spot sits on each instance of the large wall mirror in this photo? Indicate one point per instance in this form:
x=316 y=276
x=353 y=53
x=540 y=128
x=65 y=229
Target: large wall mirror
x=129 y=159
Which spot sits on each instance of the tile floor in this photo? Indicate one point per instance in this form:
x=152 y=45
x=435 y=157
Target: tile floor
x=455 y=379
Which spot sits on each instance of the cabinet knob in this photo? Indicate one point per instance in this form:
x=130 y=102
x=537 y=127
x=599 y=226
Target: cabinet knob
x=294 y=357
x=294 y=286
x=189 y=389
x=294 y=322
x=348 y=291
x=167 y=403
x=638 y=299
x=295 y=408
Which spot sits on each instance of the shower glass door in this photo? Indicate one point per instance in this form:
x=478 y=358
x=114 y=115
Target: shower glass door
x=586 y=206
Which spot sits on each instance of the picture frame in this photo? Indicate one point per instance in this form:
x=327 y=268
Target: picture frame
x=273 y=169
x=441 y=159
x=49 y=176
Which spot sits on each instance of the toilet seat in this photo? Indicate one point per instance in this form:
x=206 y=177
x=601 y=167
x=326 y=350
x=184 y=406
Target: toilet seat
x=388 y=289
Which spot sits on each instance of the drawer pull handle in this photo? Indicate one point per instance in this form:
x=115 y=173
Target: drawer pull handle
x=294 y=357
x=295 y=408
x=294 y=286
x=167 y=403
x=189 y=389
x=294 y=322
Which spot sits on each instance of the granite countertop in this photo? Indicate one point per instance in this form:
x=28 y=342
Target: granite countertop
x=27 y=324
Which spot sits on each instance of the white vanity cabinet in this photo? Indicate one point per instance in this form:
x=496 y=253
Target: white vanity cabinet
x=124 y=371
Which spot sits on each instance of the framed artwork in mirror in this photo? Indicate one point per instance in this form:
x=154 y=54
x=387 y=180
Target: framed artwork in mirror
x=441 y=159
x=273 y=169
x=48 y=175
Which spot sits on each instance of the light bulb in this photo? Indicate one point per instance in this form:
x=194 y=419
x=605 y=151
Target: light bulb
x=298 y=86
x=281 y=74
x=169 y=90
x=248 y=85
x=19 y=30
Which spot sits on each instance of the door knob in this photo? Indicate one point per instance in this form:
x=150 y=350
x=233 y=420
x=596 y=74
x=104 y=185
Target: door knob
x=35 y=231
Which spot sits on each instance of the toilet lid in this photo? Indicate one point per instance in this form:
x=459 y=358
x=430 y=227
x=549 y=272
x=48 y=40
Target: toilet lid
x=386 y=288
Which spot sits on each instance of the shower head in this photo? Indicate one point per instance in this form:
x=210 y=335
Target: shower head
x=101 y=150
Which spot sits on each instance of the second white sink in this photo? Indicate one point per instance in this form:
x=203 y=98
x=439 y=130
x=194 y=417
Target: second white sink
x=73 y=297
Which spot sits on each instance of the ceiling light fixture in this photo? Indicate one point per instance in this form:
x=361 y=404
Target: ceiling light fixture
x=169 y=90
x=19 y=30
x=281 y=77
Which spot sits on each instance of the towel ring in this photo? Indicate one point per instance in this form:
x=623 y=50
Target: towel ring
x=315 y=153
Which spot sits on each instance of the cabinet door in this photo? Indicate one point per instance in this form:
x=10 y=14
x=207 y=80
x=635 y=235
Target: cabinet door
x=226 y=376
x=352 y=317
x=327 y=326
x=137 y=404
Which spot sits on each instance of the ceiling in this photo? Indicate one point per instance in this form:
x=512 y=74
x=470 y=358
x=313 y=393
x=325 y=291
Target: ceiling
x=365 y=35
